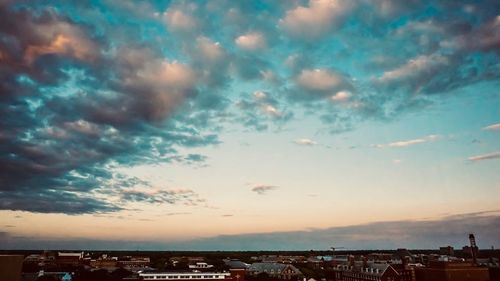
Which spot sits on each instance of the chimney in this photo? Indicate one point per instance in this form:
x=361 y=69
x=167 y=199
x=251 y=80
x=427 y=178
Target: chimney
x=365 y=262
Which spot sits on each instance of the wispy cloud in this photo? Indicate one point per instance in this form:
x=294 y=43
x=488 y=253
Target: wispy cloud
x=411 y=142
x=482 y=157
x=306 y=142
x=174 y=196
x=492 y=127
x=262 y=189
x=177 y=214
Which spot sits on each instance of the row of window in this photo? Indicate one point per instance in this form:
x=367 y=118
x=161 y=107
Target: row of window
x=166 y=277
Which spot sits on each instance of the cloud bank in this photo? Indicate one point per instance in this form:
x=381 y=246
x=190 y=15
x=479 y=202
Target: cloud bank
x=419 y=234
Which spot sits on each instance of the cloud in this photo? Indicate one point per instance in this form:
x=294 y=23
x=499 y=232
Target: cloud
x=306 y=142
x=178 y=213
x=83 y=95
x=321 y=83
x=341 y=96
x=319 y=80
x=412 y=234
x=179 y=21
x=416 y=234
x=315 y=20
x=76 y=107
x=414 y=73
x=482 y=157
x=405 y=143
x=262 y=109
x=262 y=189
x=185 y=196
x=209 y=50
x=493 y=127
x=251 y=41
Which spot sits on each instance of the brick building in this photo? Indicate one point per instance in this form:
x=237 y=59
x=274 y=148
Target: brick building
x=451 y=271
x=10 y=267
x=276 y=270
x=373 y=272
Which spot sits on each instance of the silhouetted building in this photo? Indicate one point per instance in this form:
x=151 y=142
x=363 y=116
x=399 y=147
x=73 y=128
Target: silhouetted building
x=451 y=271
x=447 y=251
x=133 y=262
x=72 y=259
x=494 y=273
x=10 y=267
x=236 y=264
x=275 y=270
x=373 y=272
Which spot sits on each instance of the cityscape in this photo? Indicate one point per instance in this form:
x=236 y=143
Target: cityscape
x=445 y=263
x=250 y=140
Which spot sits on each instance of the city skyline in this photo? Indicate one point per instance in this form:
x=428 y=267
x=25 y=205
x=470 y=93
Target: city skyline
x=249 y=124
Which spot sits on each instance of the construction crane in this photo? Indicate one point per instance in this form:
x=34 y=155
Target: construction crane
x=335 y=248
x=473 y=248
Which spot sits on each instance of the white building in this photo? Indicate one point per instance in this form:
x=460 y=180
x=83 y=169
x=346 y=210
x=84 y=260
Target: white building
x=200 y=265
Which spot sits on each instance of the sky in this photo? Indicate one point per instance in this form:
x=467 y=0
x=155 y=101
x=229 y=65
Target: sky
x=249 y=125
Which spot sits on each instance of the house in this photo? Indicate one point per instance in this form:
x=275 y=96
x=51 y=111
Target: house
x=373 y=272
x=277 y=270
x=235 y=264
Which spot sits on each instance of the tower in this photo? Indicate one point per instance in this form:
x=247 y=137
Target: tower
x=473 y=248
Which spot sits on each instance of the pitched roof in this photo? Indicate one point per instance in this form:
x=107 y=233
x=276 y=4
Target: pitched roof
x=236 y=264
x=272 y=267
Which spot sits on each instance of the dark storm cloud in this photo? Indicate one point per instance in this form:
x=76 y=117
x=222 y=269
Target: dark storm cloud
x=55 y=146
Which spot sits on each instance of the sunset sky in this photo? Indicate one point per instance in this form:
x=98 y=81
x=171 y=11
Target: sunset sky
x=246 y=125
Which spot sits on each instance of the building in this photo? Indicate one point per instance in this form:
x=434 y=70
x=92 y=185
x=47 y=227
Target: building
x=233 y=275
x=130 y=262
x=447 y=251
x=451 y=271
x=365 y=271
x=104 y=262
x=200 y=266
x=10 y=267
x=235 y=264
x=276 y=270
x=72 y=259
